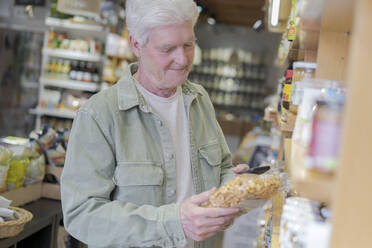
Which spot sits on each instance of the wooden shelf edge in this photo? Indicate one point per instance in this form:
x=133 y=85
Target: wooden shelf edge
x=306 y=183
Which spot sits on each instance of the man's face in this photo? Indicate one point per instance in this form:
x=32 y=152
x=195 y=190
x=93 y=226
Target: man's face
x=166 y=59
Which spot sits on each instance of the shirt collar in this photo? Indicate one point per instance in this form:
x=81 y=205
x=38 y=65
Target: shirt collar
x=129 y=96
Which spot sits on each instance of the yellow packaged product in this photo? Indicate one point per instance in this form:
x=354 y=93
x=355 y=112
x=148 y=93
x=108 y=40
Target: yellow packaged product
x=17 y=171
x=5 y=155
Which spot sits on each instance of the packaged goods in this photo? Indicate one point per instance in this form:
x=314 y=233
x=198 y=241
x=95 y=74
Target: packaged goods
x=301 y=71
x=246 y=191
x=47 y=138
x=287 y=89
x=56 y=155
x=5 y=155
x=324 y=147
x=35 y=171
x=17 y=171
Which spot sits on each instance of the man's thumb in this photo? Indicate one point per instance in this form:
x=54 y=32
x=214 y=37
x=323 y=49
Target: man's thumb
x=203 y=197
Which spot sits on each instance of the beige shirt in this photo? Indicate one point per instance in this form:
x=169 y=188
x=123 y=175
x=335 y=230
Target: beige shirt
x=172 y=112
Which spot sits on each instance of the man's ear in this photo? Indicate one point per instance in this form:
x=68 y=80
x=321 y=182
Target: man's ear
x=135 y=46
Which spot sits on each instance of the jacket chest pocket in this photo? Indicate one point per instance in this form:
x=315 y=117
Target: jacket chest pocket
x=210 y=164
x=139 y=183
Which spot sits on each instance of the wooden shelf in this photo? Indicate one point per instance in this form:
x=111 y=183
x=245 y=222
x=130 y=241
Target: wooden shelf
x=308 y=184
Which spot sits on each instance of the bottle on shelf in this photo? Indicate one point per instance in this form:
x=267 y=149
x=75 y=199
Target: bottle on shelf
x=95 y=75
x=287 y=89
x=66 y=69
x=73 y=71
x=80 y=71
x=87 y=75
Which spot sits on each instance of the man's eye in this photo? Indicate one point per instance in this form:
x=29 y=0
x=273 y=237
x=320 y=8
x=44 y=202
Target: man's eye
x=167 y=50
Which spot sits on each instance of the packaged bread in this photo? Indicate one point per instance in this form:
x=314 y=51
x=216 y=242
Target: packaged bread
x=246 y=191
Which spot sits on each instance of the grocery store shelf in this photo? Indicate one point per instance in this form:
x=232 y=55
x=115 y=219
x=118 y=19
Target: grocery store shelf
x=67 y=54
x=68 y=114
x=70 y=84
x=64 y=23
x=308 y=184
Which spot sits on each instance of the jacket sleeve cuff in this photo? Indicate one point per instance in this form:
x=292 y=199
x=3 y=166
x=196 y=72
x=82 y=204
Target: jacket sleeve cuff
x=171 y=226
x=227 y=175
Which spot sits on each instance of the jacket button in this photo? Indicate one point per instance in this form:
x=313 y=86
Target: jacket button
x=171 y=192
x=160 y=123
x=170 y=156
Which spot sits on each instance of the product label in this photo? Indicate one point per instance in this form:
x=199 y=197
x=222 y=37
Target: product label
x=287 y=92
x=291 y=34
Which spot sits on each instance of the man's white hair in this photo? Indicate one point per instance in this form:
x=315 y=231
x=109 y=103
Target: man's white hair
x=142 y=15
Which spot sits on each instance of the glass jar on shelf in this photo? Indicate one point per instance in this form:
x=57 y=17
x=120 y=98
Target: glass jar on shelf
x=301 y=71
x=324 y=147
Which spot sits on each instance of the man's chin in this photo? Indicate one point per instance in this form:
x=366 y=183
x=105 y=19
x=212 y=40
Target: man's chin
x=177 y=81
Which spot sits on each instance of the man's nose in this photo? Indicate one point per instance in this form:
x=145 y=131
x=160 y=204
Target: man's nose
x=181 y=57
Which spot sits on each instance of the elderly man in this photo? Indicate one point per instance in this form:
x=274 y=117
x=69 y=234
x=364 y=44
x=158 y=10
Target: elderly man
x=146 y=153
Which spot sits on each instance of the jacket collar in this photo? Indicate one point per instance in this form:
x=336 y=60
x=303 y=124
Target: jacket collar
x=129 y=96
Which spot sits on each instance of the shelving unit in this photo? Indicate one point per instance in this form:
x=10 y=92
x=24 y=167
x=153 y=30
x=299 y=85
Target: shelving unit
x=76 y=30
x=70 y=84
x=235 y=81
x=68 y=24
x=340 y=31
x=68 y=114
x=66 y=54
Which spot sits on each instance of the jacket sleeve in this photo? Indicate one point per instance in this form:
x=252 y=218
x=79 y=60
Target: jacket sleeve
x=86 y=185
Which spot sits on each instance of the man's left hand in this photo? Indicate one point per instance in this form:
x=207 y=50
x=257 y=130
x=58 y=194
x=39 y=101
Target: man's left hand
x=240 y=168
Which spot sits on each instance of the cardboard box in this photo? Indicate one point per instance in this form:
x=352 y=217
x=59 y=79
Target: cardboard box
x=24 y=195
x=50 y=190
x=35 y=191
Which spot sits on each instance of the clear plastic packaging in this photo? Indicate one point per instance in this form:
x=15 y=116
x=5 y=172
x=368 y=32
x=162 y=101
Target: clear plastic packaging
x=5 y=155
x=35 y=171
x=247 y=191
x=17 y=171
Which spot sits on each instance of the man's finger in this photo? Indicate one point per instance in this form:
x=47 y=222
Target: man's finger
x=202 y=197
x=219 y=221
x=240 y=168
x=218 y=212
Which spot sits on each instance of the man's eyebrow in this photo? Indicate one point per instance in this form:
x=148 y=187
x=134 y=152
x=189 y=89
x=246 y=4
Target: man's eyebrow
x=194 y=39
x=168 y=46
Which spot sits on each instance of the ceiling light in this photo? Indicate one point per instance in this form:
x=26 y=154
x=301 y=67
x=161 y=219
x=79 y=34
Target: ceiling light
x=257 y=24
x=211 y=20
x=275 y=13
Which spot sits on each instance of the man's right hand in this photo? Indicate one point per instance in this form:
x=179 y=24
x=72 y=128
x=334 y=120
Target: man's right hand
x=200 y=223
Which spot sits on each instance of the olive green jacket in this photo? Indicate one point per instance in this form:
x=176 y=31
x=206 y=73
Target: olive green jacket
x=119 y=180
